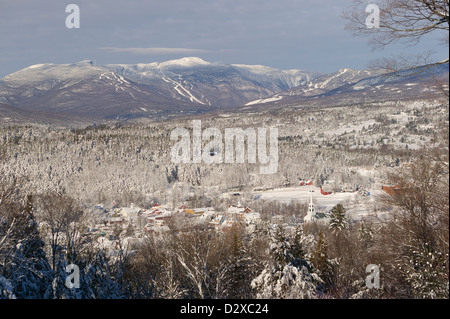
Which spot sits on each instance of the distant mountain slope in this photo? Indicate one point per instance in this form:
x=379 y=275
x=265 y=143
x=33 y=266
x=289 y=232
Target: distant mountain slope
x=9 y=113
x=13 y=115
x=84 y=91
x=350 y=86
x=142 y=90
x=214 y=84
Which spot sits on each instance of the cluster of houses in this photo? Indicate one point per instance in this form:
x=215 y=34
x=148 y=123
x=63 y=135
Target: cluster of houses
x=134 y=222
x=234 y=215
x=328 y=187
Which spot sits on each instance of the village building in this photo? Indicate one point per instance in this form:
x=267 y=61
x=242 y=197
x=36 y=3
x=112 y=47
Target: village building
x=392 y=189
x=312 y=215
x=217 y=221
x=240 y=214
x=326 y=191
x=306 y=183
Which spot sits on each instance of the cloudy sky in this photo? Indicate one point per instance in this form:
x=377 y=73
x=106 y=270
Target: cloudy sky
x=284 y=34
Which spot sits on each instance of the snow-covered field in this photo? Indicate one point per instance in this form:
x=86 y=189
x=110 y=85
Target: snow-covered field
x=349 y=127
x=262 y=101
x=357 y=207
x=304 y=193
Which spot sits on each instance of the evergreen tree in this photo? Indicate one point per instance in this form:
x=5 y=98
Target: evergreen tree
x=26 y=265
x=97 y=280
x=59 y=289
x=101 y=278
x=6 y=289
x=426 y=271
x=366 y=235
x=240 y=268
x=288 y=274
x=338 y=218
x=320 y=260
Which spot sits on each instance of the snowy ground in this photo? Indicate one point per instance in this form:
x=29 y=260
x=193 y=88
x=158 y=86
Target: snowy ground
x=349 y=127
x=357 y=207
x=304 y=193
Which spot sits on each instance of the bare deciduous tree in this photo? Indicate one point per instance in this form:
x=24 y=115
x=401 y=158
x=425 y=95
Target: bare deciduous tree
x=419 y=230
x=64 y=217
x=406 y=21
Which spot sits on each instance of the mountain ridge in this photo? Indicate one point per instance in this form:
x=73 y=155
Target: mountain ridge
x=144 y=89
x=192 y=85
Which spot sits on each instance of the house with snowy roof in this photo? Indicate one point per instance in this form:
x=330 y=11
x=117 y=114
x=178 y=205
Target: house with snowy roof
x=306 y=183
x=241 y=214
x=217 y=221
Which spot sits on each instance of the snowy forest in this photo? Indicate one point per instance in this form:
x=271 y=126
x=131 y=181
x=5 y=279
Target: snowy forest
x=52 y=178
x=93 y=205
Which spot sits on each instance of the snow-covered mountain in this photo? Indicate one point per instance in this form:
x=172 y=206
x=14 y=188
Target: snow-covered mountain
x=321 y=84
x=85 y=90
x=348 y=86
x=127 y=91
x=214 y=84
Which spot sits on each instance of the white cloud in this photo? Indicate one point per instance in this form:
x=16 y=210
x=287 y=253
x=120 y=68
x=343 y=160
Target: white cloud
x=155 y=51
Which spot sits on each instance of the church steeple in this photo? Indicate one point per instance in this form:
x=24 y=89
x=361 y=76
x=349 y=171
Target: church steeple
x=311 y=215
x=311 y=209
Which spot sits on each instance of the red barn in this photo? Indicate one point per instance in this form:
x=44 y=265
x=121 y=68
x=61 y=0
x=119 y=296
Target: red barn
x=323 y=192
x=392 y=190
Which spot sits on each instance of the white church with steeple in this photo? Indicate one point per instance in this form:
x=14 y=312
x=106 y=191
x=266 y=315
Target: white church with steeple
x=312 y=215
